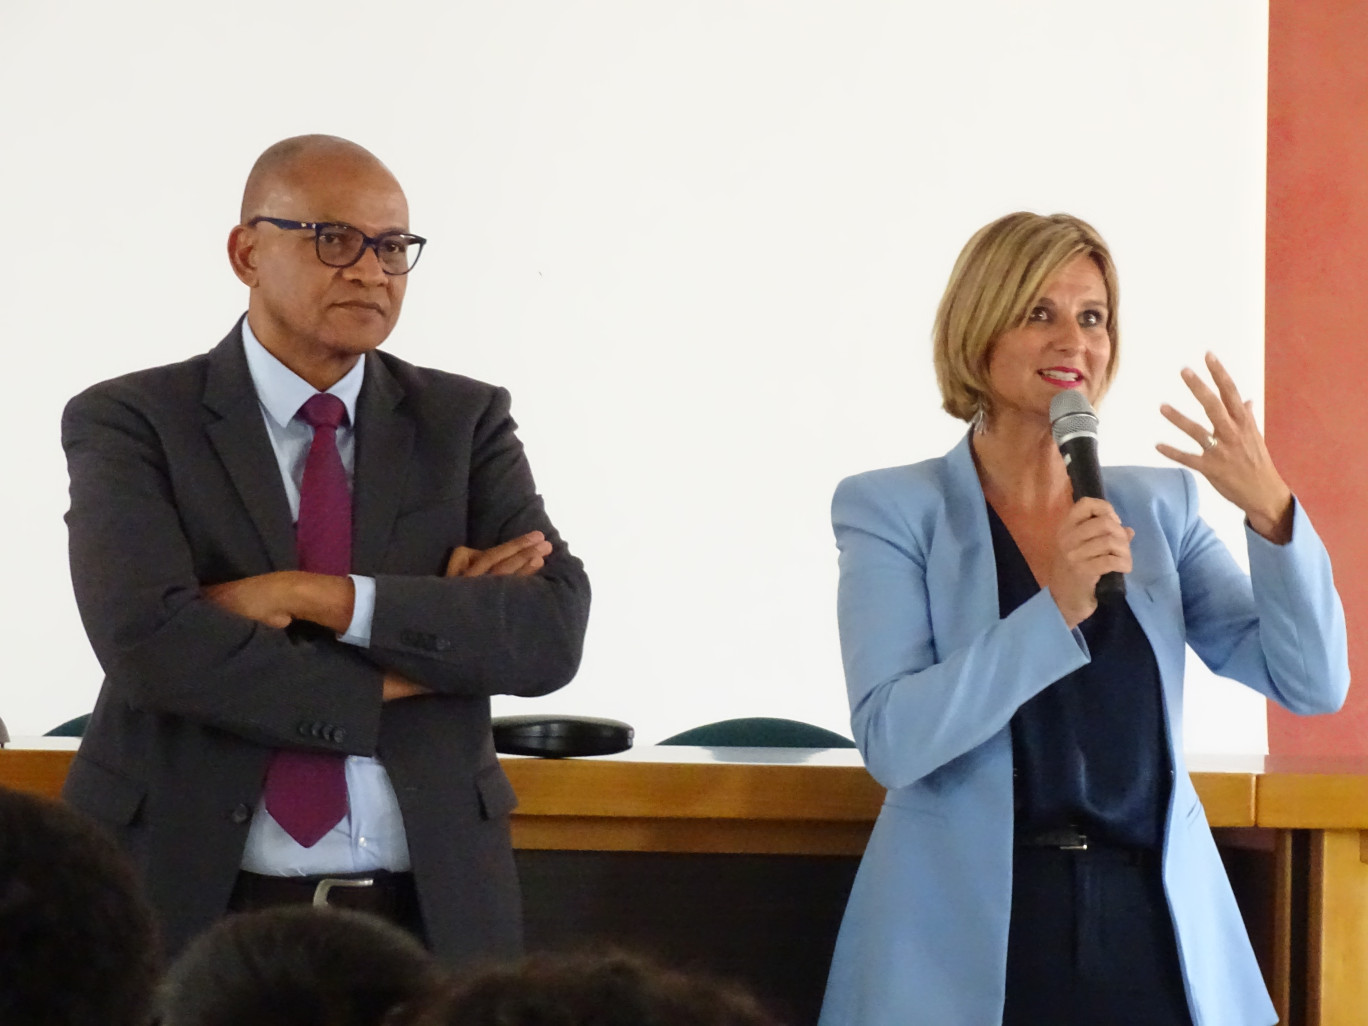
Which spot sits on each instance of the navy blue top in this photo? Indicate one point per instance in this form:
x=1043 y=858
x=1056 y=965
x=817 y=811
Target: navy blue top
x=1089 y=751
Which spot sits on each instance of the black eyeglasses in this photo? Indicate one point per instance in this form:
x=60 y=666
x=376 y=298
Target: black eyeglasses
x=341 y=245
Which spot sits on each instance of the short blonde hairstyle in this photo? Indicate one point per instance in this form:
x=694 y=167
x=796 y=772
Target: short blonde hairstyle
x=997 y=279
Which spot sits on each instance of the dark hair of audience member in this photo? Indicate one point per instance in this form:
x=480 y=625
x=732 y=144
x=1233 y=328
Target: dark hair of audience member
x=77 y=939
x=591 y=989
x=296 y=965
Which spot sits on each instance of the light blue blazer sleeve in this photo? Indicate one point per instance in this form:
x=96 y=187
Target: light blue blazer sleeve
x=1280 y=629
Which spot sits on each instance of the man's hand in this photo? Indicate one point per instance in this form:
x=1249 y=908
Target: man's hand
x=264 y=598
x=396 y=687
x=520 y=557
x=277 y=599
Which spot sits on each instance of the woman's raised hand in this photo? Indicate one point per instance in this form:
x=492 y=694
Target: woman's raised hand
x=1234 y=457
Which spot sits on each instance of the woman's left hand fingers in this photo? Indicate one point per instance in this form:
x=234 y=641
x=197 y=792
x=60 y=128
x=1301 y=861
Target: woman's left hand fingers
x=1197 y=432
x=1231 y=416
x=1234 y=457
x=1234 y=405
x=1212 y=404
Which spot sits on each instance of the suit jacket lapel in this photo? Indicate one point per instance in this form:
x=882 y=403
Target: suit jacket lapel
x=962 y=568
x=384 y=442
x=239 y=437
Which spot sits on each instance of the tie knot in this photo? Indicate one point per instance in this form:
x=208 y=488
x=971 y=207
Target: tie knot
x=323 y=411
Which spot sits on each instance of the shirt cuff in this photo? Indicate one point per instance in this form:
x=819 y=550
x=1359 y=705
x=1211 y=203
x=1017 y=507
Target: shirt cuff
x=363 y=611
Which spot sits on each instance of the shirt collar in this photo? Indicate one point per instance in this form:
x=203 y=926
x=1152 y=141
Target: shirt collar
x=282 y=392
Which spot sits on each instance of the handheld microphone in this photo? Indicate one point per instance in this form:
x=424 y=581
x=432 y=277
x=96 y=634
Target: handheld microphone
x=1073 y=422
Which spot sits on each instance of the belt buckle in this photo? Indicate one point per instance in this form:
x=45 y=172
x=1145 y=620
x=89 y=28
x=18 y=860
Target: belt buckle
x=320 y=895
x=1079 y=842
x=1065 y=838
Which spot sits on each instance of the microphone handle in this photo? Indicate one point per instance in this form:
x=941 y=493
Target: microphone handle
x=1085 y=474
x=1111 y=586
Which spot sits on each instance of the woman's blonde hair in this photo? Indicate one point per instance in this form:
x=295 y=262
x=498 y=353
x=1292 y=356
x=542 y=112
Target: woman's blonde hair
x=997 y=279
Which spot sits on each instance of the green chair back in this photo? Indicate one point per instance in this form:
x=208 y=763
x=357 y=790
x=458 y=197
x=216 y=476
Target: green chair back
x=760 y=732
x=71 y=728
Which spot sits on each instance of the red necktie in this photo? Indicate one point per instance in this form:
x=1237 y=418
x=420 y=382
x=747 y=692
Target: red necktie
x=306 y=792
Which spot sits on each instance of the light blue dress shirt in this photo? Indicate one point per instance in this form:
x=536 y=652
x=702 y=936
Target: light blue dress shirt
x=371 y=835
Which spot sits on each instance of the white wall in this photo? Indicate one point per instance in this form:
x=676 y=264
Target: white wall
x=701 y=242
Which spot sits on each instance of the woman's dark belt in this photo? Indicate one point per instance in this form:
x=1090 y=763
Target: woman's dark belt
x=1071 y=839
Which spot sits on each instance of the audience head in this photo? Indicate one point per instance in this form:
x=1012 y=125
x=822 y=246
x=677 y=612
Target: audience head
x=995 y=282
x=77 y=941
x=296 y=965
x=585 y=989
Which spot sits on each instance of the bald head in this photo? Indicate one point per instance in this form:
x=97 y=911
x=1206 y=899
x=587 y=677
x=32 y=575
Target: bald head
x=318 y=317
x=282 y=167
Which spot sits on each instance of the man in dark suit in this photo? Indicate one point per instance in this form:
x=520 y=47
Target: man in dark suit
x=300 y=710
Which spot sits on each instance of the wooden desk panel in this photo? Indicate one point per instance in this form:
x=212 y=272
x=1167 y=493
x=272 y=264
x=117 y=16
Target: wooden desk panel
x=693 y=800
x=1313 y=793
x=681 y=799
x=37 y=765
x=1337 y=928
x=1325 y=800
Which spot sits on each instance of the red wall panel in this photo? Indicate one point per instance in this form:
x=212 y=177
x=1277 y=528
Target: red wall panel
x=1316 y=349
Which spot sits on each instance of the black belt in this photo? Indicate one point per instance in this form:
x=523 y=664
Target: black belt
x=1064 y=838
x=1072 y=840
x=382 y=893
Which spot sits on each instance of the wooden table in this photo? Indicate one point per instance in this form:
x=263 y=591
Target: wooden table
x=37 y=764
x=682 y=799
x=1308 y=819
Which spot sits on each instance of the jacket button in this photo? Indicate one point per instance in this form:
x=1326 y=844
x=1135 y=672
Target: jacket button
x=240 y=814
x=302 y=730
x=337 y=735
x=441 y=645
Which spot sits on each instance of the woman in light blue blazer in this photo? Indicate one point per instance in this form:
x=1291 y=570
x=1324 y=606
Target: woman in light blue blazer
x=1041 y=856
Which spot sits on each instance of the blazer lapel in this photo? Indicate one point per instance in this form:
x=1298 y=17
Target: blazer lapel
x=239 y=437
x=961 y=561
x=384 y=443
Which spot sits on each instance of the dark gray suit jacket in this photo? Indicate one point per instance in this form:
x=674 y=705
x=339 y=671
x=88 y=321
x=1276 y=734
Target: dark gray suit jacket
x=174 y=485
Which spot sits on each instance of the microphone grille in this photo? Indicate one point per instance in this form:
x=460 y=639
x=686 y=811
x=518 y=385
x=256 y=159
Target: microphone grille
x=1070 y=414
